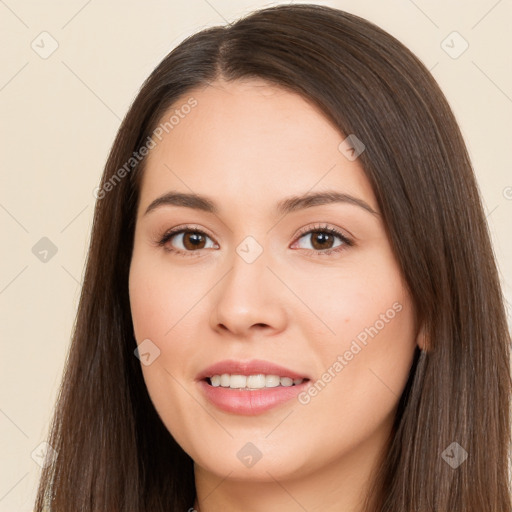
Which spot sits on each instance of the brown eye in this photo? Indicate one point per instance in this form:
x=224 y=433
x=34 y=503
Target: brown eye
x=185 y=241
x=193 y=240
x=323 y=240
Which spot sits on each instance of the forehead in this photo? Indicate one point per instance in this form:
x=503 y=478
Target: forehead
x=249 y=139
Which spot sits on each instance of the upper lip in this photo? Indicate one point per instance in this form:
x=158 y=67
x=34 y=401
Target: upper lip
x=252 y=367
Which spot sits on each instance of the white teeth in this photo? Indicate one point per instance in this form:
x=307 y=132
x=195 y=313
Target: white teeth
x=272 y=381
x=258 y=381
x=238 y=381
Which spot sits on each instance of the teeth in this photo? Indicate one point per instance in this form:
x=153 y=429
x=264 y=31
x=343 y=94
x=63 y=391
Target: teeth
x=237 y=381
x=258 y=381
x=272 y=381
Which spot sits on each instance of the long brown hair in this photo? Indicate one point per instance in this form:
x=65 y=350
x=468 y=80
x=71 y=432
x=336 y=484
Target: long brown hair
x=115 y=454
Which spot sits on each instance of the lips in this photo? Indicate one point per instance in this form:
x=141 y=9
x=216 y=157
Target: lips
x=252 y=367
x=250 y=401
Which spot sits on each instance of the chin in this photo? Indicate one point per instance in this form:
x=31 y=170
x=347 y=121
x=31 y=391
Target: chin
x=255 y=462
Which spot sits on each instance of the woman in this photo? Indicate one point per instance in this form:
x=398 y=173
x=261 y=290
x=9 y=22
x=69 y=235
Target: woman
x=338 y=341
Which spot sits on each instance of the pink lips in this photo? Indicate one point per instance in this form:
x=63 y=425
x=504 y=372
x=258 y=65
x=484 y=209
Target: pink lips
x=252 y=367
x=245 y=402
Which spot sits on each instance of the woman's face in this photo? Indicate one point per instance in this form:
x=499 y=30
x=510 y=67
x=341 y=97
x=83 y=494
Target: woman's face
x=257 y=274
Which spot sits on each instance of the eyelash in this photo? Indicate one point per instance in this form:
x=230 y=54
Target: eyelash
x=306 y=231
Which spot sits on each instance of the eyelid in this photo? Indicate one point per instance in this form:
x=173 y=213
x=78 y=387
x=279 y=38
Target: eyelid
x=322 y=226
x=347 y=241
x=170 y=233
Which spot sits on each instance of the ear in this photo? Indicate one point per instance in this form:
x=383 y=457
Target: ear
x=421 y=339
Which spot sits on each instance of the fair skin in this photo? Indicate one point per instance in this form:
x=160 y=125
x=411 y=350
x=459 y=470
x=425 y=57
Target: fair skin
x=246 y=146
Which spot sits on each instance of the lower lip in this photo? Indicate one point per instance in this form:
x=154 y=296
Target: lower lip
x=250 y=403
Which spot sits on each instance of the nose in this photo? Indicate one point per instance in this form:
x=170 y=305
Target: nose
x=249 y=300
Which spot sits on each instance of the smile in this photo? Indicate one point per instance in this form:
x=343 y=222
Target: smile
x=252 y=382
x=250 y=387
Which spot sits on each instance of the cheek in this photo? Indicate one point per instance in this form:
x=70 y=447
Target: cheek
x=159 y=307
x=161 y=297
x=164 y=305
x=367 y=352
x=347 y=302
x=356 y=396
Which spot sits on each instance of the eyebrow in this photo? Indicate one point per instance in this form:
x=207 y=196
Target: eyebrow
x=285 y=206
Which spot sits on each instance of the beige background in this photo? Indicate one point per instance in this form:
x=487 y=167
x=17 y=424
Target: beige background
x=59 y=117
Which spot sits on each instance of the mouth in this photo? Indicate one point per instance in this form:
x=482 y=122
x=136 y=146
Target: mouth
x=250 y=387
x=252 y=382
